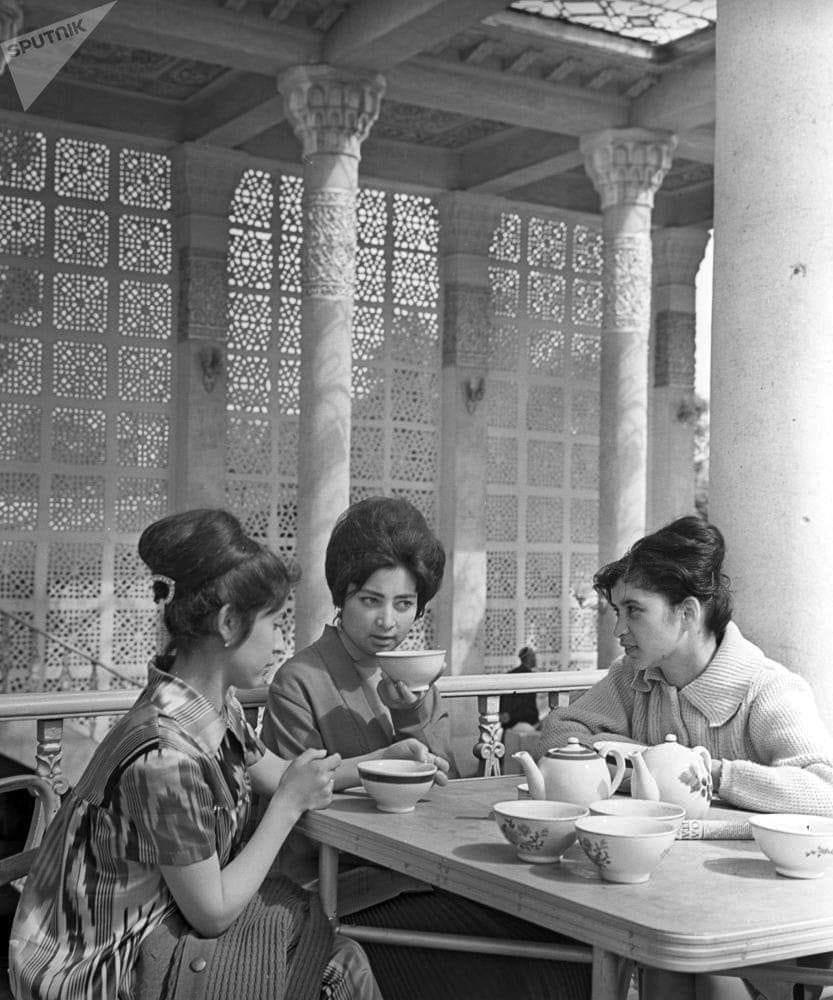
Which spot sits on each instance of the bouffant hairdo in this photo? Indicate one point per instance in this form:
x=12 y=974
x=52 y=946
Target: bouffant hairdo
x=208 y=561
x=380 y=533
x=683 y=559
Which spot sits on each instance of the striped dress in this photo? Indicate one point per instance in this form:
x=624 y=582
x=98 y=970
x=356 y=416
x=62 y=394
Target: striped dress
x=168 y=786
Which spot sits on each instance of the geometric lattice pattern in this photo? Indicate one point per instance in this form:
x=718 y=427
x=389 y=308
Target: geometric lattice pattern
x=396 y=355
x=86 y=382
x=542 y=439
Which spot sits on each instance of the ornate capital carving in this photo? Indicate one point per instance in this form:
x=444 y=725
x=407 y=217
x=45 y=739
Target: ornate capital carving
x=674 y=349
x=467 y=325
x=331 y=110
x=11 y=24
x=678 y=253
x=627 y=165
x=329 y=262
x=203 y=296
x=627 y=282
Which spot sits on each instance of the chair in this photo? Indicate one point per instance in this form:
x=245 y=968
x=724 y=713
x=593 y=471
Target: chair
x=15 y=866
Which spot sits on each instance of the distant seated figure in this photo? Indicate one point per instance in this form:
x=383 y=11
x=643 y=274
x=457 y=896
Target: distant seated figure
x=515 y=708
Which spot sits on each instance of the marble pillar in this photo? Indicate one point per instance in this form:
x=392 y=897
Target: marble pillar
x=673 y=409
x=467 y=225
x=331 y=111
x=771 y=468
x=204 y=181
x=626 y=166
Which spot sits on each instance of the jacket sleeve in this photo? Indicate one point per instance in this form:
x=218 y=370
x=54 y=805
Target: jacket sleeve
x=289 y=723
x=606 y=708
x=427 y=720
x=793 y=770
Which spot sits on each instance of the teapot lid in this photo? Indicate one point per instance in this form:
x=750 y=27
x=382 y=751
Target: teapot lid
x=575 y=750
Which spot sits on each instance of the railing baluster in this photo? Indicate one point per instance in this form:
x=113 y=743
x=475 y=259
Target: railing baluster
x=50 y=752
x=489 y=747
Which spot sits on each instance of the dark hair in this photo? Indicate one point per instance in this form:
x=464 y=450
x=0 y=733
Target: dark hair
x=212 y=562
x=380 y=533
x=683 y=559
x=526 y=654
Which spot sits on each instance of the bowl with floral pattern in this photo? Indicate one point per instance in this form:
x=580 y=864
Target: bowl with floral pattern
x=539 y=830
x=799 y=846
x=625 y=848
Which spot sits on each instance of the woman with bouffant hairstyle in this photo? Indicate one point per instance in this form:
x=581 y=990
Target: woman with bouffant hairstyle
x=687 y=670
x=383 y=564
x=146 y=883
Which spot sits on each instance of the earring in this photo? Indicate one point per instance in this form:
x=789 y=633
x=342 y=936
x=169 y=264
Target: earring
x=227 y=643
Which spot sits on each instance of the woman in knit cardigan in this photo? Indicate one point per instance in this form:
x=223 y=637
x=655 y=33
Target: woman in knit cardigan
x=687 y=670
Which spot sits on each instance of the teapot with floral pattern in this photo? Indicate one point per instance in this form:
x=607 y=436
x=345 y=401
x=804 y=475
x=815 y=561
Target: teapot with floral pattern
x=669 y=772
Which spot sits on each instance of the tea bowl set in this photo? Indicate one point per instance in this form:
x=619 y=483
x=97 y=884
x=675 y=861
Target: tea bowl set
x=626 y=837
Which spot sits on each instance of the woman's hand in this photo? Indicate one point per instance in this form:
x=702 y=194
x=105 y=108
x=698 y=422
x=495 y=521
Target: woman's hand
x=397 y=694
x=413 y=749
x=308 y=781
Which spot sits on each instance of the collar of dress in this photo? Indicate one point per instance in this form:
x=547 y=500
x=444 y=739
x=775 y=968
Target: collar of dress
x=193 y=713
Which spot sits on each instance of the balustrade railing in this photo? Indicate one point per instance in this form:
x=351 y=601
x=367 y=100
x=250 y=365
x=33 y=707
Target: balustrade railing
x=50 y=711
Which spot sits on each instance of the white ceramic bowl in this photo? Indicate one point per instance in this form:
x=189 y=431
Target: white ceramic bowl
x=623 y=805
x=799 y=846
x=396 y=785
x=416 y=667
x=539 y=830
x=625 y=848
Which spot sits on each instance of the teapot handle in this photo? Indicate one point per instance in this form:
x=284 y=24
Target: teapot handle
x=707 y=760
x=619 y=758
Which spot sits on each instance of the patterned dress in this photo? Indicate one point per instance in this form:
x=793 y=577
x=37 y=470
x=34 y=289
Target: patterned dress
x=168 y=786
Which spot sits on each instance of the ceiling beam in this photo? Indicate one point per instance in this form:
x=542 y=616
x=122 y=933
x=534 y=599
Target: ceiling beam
x=246 y=126
x=683 y=100
x=505 y=97
x=193 y=29
x=530 y=174
x=697 y=145
x=379 y=34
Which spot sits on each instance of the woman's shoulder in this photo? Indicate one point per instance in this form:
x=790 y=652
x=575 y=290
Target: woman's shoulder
x=307 y=664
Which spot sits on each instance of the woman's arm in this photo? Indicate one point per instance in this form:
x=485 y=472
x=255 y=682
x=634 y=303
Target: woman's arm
x=793 y=769
x=606 y=708
x=209 y=897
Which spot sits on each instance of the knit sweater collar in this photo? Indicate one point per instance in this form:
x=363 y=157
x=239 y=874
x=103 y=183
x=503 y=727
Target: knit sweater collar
x=720 y=690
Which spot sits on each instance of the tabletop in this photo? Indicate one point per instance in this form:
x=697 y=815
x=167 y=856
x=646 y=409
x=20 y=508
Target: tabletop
x=709 y=905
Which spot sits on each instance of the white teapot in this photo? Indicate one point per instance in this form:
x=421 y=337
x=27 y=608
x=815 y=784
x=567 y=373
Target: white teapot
x=574 y=773
x=669 y=772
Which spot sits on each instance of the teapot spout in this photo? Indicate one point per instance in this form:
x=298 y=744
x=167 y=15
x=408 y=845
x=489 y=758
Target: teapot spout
x=643 y=785
x=534 y=778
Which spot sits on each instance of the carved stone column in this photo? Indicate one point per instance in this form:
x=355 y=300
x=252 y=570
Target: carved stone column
x=331 y=111
x=677 y=254
x=771 y=477
x=204 y=182
x=467 y=224
x=626 y=166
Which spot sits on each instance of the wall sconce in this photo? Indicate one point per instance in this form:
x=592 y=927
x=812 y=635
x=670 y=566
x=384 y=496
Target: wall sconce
x=211 y=363
x=475 y=390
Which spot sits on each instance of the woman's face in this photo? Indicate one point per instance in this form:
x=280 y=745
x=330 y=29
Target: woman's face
x=253 y=662
x=379 y=614
x=648 y=628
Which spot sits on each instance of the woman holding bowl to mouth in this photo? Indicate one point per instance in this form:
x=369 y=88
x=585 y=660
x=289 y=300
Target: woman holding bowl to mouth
x=383 y=565
x=688 y=670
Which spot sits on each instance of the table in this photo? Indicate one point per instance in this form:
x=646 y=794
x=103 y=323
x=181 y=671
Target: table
x=710 y=905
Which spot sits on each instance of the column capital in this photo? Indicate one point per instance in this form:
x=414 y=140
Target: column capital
x=677 y=253
x=11 y=24
x=331 y=110
x=627 y=166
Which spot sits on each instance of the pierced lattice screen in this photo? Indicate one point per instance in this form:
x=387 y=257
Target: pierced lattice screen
x=86 y=376
x=396 y=356
x=543 y=430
